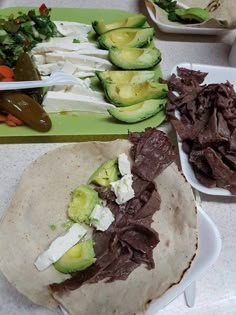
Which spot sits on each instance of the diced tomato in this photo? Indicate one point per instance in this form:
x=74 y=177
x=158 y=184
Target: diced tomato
x=43 y=8
x=17 y=21
x=6 y=72
x=26 y=42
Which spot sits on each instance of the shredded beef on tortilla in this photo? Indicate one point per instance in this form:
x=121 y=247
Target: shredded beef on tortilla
x=130 y=240
x=207 y=126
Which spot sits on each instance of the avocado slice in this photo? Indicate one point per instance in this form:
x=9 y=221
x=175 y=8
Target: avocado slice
x=108 y=172
x=137 y=20
x=193 y=14
x=130 y=77
x=126 y=37
x=134 y=58
x=83 y=201
x=130 y=94
x=77 y=258
x=138 y=112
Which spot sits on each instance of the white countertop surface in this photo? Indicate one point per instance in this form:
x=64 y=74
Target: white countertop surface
x=216 y=289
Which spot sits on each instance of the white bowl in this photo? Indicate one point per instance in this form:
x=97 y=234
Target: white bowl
x=182 y=29
x=209 y=246
x=216 y=74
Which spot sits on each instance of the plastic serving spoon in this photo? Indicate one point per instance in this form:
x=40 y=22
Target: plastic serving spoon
x=56 y=78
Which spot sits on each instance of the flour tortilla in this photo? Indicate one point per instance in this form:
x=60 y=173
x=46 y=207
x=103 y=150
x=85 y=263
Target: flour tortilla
x=42 y=198
x=223 y=17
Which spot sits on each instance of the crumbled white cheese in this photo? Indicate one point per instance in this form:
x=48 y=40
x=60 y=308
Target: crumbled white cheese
x=123 y=189
x=124 y=164
x=101 y=217
x=60 y=246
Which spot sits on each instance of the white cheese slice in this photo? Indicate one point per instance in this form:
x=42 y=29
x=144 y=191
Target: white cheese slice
x=68 y=28
x=80 y=72
x=60 y=246
x=123 y=189
x=74 y=57
x=96 y=52
x=69 y=67
x=47 y=69
x=39 y=59
x=60 y=101
x=84 y=74
x=101 y=217
x=62 y=44
x=124 y=164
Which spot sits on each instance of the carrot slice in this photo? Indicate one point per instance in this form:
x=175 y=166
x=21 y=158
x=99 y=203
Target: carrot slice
x=6 y=72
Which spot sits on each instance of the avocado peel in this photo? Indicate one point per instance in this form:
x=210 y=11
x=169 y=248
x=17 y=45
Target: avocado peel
x=138 y=112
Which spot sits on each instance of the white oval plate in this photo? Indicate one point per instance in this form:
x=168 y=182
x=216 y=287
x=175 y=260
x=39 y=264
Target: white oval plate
x=209 y=246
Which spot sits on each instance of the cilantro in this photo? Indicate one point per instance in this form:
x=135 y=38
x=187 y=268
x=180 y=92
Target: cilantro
x=66 y=225
x=169 y=6
x=53 y=227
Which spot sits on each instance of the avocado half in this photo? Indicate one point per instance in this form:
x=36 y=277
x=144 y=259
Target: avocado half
x=137 y=20
x=140 y=111
x=83 y=201
x=193 y=14
x=129 y=94
x=129 y=77
x=108 y=172
x=77 y=258
x=134 y=58
x=126 y=37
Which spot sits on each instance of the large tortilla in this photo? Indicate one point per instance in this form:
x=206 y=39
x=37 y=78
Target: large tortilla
x=42 y=199
x=223 y=17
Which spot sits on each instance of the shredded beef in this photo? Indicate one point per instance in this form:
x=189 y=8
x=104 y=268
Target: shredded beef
x=206 y=125
x=152 y=154
x=130 y=239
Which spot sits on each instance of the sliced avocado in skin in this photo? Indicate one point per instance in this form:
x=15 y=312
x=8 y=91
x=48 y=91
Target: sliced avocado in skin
x=83 y=201
x=133 y=21
x=134 y=58
x=138 y=112
x=77 y=258
x=130 y=94
x=126 y=37
x=106 y=173
x=130 y=77
x=193 y=14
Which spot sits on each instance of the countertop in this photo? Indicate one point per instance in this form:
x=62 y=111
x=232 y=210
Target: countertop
x=216 y=288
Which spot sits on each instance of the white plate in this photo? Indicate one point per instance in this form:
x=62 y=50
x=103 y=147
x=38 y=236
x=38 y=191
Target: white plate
x=216 y=74
x=181 y=29
x=209 y=247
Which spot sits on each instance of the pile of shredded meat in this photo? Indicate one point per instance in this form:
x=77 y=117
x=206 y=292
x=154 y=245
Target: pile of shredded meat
x=130 y=240
x=207 y=126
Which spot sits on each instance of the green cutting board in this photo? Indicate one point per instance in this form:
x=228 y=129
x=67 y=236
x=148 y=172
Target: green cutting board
x=75 y=126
